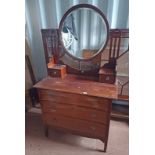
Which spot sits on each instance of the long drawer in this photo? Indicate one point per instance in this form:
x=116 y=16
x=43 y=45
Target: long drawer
x=75 y=99
x=81 y=126
x=74 y=111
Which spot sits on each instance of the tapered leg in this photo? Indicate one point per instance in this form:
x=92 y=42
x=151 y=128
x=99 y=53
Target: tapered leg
x=46 y=131
x=105 y=147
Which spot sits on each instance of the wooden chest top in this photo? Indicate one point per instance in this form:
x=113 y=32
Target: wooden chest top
x=78 y=85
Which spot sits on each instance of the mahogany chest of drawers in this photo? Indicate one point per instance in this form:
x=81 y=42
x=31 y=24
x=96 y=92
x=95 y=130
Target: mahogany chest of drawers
x=77 y=106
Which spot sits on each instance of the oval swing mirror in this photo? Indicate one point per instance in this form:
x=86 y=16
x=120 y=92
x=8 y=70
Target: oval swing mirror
x=84 y=32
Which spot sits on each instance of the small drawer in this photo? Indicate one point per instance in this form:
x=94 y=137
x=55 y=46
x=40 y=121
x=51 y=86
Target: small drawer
x=57 y=71
x=107 y=76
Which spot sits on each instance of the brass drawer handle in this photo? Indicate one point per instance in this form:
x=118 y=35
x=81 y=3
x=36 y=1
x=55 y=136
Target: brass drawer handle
x=93 y=128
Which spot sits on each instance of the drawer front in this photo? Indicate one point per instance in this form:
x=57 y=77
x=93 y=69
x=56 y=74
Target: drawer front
x=75 y=111
x=75 y=125
x=55 y=72
x=76 y=99
x=107 y=78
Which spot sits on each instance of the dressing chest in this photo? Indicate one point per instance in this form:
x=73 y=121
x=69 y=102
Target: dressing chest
x=73 y=98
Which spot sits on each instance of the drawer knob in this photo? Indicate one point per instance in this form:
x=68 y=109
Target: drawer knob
x=55 y=72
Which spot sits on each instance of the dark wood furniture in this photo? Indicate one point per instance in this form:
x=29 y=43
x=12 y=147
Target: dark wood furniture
x=77 y=102
x=77 y=105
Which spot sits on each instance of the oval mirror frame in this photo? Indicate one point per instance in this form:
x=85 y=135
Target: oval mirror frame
x=97 y=10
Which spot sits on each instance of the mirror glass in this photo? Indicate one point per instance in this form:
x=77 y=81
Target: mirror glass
x=84 y=33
